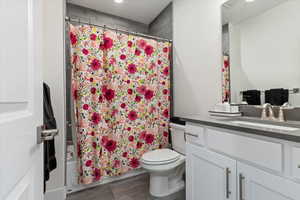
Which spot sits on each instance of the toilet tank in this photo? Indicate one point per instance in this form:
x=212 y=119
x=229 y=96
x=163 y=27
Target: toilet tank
x=177 y=136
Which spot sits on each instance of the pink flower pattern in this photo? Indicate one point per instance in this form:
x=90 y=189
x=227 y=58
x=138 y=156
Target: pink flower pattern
x=225 y=79
x=120 y=86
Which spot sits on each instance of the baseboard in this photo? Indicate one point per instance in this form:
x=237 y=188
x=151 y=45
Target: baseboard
x=105 y=180
x=57 y=194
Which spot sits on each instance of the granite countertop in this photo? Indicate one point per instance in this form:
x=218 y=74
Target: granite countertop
x=226 y=123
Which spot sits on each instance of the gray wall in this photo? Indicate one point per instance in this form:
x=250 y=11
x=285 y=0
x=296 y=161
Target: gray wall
x=96 y=17
x=162 y=26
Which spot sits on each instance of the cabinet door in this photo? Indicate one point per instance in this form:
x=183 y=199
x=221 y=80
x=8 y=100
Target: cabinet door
x=255 y=184
x=209 y=176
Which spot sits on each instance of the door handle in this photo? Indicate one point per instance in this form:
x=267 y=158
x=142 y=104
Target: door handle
x=45 y=135
x=241 y=192
x=228 y=192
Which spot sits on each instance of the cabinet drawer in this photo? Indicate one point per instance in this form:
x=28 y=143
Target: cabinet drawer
x=296 y=162
x=260 y=152
x=194 y=134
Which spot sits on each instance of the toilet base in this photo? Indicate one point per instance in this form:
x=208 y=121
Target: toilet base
x=164 y=184
x=176 y=196
x=166 y=191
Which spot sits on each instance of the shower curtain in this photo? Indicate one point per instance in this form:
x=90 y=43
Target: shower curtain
x=225 y=79
x=121 y=95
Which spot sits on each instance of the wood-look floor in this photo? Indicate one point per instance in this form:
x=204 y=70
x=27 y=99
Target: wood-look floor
x=136 y=188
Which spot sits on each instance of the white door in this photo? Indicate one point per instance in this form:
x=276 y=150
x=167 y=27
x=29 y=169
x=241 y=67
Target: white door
x=21 y=159
x=255 y=184
x=209 y=176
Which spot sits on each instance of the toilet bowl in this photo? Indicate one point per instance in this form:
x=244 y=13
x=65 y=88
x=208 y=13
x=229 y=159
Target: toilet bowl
x=166 y=167
x=166 y=171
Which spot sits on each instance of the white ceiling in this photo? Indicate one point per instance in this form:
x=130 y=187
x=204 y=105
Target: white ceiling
x=235 y=11
x=144 y=11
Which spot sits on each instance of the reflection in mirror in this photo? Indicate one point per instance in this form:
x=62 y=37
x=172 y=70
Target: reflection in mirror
x=261 y=51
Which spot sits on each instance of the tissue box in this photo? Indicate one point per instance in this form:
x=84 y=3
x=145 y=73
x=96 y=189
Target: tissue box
x=226 y=107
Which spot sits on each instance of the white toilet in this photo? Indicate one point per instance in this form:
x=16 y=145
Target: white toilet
x=166 y=166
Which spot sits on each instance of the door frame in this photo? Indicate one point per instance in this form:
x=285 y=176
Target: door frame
x=54 y=74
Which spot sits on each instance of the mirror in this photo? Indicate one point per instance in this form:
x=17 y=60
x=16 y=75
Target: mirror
x=261 y=51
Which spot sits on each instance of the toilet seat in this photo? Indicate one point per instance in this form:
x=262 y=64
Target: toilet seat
x=160 y=157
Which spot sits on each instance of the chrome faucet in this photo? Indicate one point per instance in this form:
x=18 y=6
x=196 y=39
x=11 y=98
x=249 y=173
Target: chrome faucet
x=281 y=116
x=268 y=109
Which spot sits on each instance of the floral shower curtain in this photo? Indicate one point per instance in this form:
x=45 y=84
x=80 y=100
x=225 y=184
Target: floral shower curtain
x=121 y=92
x=225 y=79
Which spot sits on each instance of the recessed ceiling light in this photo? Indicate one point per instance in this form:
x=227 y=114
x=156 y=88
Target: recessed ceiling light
x=249 y=1
x=119 y=1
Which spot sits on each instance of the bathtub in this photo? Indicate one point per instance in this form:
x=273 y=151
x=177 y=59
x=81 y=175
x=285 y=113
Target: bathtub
x=73 y=186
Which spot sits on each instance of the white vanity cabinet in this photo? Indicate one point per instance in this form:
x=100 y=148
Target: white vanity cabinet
x=230 y=165
x=256 y=184
x=209 y=175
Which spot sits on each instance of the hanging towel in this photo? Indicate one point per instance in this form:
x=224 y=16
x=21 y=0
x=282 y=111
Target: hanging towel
x=252 y=97
x=277 y=97
x=49 y=146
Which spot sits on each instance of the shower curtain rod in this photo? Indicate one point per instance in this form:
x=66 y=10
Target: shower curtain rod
x=68 y=19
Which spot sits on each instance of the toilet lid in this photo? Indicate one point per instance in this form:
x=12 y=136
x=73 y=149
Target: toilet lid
x=160 y=156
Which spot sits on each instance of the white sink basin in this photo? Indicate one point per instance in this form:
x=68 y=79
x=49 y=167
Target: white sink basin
x=269 y=126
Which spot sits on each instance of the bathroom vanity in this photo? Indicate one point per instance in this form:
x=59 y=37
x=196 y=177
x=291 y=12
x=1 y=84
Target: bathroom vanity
x=242 y=159
x=246 y=158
